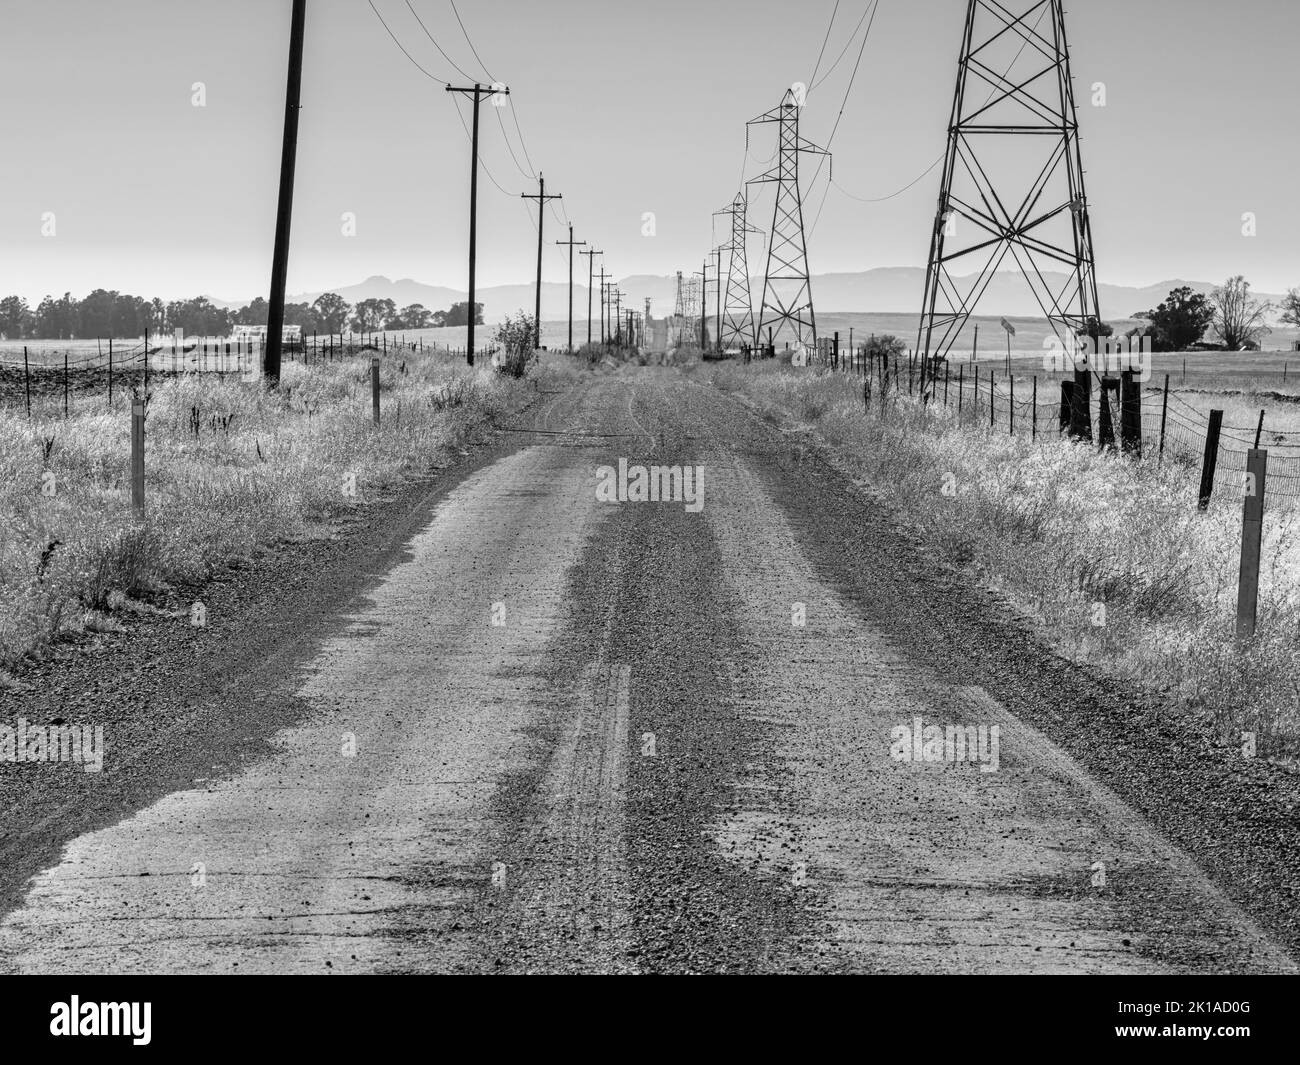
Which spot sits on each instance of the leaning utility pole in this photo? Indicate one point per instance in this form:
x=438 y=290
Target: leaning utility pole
x=478 y=92
x=541 y=198
x=590 y=281
x=1038 y=216
x=787 y=285
x=284 y=209
x=571 y=245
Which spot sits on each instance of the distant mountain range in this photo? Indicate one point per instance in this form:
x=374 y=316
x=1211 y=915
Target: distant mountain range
x=883 y=290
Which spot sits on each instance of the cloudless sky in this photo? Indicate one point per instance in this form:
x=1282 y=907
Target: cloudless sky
x=627 y=107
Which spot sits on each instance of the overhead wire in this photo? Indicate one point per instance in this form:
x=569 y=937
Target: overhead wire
x=431 y=37
x=470 y=42
x=830 y=26
x=414 y=61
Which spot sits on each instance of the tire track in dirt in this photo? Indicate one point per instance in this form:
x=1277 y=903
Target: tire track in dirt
x=933 y=868
x=319 y=860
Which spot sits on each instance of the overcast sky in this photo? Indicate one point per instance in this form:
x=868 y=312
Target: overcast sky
x=627 y=107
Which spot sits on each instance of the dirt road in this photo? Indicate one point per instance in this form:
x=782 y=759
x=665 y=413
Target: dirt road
x=549 y=732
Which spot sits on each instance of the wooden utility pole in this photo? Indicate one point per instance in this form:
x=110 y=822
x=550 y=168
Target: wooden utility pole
x=591 y=263
x=284 y=210
x=541 y=199
x=571 y=243
x=603 y=286
x=477 y=93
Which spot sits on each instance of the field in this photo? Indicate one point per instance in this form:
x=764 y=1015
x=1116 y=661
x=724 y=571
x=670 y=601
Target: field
x=230 y=469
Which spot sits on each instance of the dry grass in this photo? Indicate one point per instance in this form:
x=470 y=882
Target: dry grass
x=230 y=468
x=1110 y=556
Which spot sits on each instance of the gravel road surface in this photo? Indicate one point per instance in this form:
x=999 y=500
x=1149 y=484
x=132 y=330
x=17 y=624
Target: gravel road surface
x=499 y=724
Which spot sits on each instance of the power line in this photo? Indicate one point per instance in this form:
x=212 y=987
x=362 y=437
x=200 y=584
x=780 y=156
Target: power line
x=469 y=42
x=480 y=158
x=881 y=199
x=414 y=62
x=942 y=156
x=825 y=39
x=843 y=104
x=843 y=51
x=506 y=138
x=435 y=43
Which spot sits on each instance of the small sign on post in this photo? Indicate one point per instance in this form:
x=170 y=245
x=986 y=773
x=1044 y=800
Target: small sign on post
x=374 y=386
x=137 y=458
x=1252 y=530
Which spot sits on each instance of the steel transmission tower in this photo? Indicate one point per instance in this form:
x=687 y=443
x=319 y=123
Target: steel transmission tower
x=738 y=327
x=787 y=288
x=679 y=314
x=1012 y=179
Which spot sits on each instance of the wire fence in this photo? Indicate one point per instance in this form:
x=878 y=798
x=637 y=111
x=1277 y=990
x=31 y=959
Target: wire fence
x=1027 y=405
x=38 y=371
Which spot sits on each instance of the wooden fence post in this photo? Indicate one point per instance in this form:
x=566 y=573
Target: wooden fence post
x=1034 y=432
x=1130 y=414
x=1066 y=412
x=1081 y=404
x=1252 y=528
x=374 y=387
x=27 y=382
x=137 y=458
x=1164 y=416
x=1211 y=459
x=1105 y=421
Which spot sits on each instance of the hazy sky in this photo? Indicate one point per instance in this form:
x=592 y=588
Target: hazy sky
x=628 y=107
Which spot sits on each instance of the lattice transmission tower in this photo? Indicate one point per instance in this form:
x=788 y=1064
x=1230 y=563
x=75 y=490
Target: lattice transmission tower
x=679 y=315
x=1013 y=179
x=787 y=287
x=738 y=326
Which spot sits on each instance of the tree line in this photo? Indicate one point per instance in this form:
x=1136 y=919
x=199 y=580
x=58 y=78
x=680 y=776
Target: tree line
x=106 y=313
x=1230 y=318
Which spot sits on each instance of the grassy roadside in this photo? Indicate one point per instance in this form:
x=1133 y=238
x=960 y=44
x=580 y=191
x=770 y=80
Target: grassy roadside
x=230 y=469
x=1108 y=556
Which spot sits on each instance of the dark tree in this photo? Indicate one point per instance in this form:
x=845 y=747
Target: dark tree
x=1180 y=321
